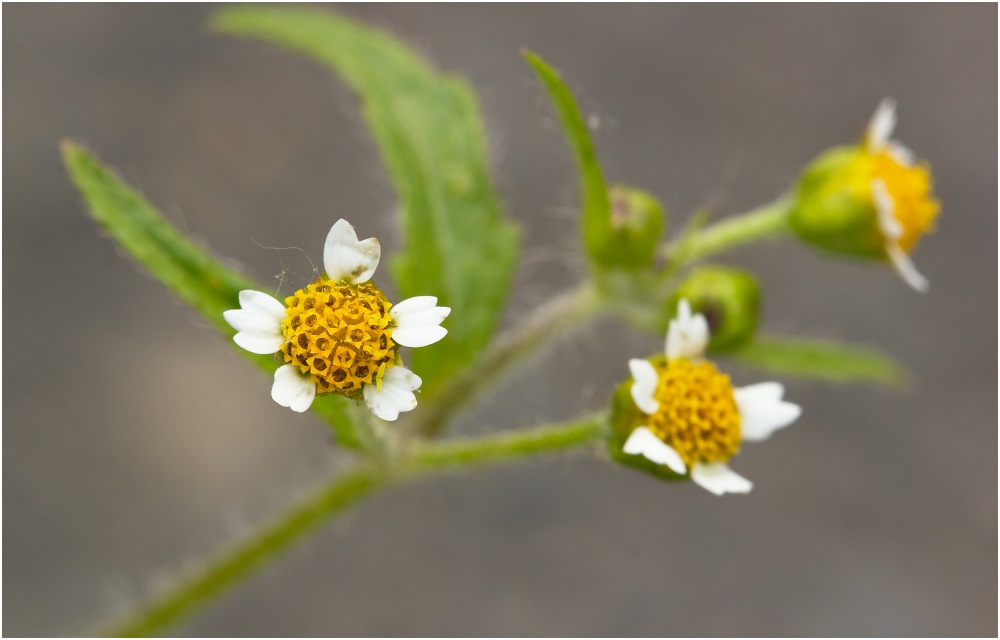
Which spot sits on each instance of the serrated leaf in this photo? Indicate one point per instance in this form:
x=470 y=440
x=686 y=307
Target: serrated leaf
x=183 y=267
x=458 y=245
x=820 y=360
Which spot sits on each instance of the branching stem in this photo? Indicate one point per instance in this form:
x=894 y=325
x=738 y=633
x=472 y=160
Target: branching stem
x=192 y=592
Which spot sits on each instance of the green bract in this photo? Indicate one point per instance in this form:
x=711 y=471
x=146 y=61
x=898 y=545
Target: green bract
x=625 y=417
x=728 y=298
x=833 y=207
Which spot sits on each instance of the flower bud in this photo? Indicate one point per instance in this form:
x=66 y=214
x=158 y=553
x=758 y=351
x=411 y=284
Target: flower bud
x=635 y=227
x=871 y=200
x=728 y=298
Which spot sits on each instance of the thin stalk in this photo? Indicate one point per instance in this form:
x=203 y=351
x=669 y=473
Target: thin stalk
x=764 y=222
x=279 y=535
x=550 y=321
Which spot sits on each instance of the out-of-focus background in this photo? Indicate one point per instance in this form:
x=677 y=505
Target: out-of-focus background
x=136 y=441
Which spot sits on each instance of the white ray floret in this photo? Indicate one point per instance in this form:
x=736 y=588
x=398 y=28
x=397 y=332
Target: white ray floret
x=644 y=385
x=257 y=322
x=881 y=126
x=346 y=258
x=644 y=442
x=687 y=335
x=892 y=230
x=396 y=394
x=718 y=478
x=762 y=411
x=292 y=388
x=418 y=321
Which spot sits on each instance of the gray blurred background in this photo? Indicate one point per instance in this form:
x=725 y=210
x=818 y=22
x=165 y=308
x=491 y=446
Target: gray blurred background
x=137 y=441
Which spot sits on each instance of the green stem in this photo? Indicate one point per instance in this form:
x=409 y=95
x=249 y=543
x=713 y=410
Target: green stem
x=279 y=535
x=554 y=319
x=761 y=223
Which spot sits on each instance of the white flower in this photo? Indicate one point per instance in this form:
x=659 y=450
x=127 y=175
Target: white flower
x=677 y=400
x=339 y=334
x=878 y=142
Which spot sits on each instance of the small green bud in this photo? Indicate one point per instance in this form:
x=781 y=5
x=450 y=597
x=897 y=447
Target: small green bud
x=833 y=208
x=728 y=298
x=625 y=417
x=636 y=222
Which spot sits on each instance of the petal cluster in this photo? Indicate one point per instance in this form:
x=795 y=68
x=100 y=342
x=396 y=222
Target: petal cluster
x=261 y=328
x=761 y=408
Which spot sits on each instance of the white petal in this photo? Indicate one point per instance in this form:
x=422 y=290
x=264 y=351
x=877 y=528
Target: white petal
x=687 y=335
x=396 y=394
x=644 y=385
x=347 y=258
x=885 y=207
x=901 y=154
x=292 y=389
x=718 y=478
x=762 y=411
x=881 y=125
x=257 y=322
x=418 y=321
x=261 y=343
x=644 y=443
x=905 y=268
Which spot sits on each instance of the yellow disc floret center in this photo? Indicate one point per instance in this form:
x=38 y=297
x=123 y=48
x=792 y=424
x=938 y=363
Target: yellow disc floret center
x=910 y=188
x=698 y=415
x=339 y=335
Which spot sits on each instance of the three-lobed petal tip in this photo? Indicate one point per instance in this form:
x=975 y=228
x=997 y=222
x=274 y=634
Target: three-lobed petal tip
x=395 y=395
x=762 y=410
x=644 y=442
x=292 y=388
x=687 y=334
x=417 y=321
x=257 y=322
x=346 y=258
x=719 y=479
x=644 y=382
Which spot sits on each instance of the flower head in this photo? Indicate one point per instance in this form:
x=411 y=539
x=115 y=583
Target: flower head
x=873 y=199
x=690 y=418
x=340 y=334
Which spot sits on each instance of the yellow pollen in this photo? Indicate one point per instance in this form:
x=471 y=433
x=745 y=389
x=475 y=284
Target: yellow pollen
x=339 y=335
x=910 y=188
x=698 y=415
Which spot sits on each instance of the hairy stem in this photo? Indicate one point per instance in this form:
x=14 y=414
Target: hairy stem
x=550 y=321
x=277 y=536
x=761 y=223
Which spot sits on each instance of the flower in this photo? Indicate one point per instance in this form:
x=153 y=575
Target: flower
x=693 y=420
x=872 y=199
x=901 y=191
x=340 y=334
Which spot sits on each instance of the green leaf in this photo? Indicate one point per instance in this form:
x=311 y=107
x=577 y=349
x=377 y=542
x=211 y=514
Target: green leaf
x=608 y=244
x=183 y=267
x=458 y=245
x=820 y=360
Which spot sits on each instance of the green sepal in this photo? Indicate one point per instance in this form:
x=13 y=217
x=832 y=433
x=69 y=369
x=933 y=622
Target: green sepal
x=833 y=208
x=729 y=298
x=625 y=417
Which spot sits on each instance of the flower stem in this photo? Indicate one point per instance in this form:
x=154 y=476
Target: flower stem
x=249 y=554
x=761 y=223
x=555 y=318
